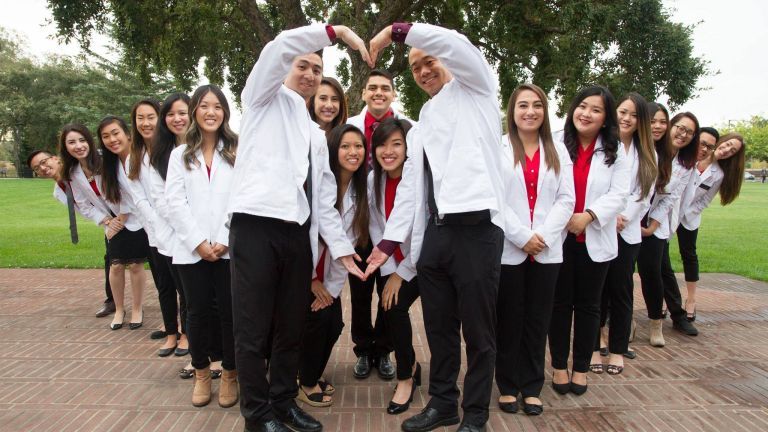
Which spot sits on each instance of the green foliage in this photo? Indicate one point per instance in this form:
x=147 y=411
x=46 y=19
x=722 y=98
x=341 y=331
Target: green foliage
x=755 y=133
x=561 y=46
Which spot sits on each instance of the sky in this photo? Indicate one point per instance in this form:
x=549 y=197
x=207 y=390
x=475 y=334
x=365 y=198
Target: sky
x=731 y=35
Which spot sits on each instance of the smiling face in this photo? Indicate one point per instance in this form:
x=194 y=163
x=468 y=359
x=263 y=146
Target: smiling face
x=528 y=112
x=391 y=154
x=351 y=151
x=177 y=118
x=682 y=132
x=659 y=125
x=209 y=113
x=146 y=121
x=728 y=148
x=378 y=95
x=627 y=114
x=77 y=145
x=305 y=75
x=428 y=72
x=115 y=139
x=706 y=145
x=589 y=116
x=327 y=105
x=45 y=165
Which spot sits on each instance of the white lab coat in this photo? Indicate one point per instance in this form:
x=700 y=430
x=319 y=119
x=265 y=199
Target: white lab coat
x=95 y=207
x=377 y=222
x=701 y=190
x=663 y=206
x=335 y=272
x=164 y=225
x=142 y=200
x=554 y=206
x=636 y=207
x=359 y=120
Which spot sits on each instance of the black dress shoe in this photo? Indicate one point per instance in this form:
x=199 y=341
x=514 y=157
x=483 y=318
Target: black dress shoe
x=396 y=408
x=429 y=419
x=362 y=368
x=268 y=426
x=578 y=389
x=298 y=420
x=157 y=334
x=106 y=309
x=165 y=352
x=510 y=407
x=532 y=409
x=684 y=326
x=386 y=368
x=181 y=352
x=467 y=426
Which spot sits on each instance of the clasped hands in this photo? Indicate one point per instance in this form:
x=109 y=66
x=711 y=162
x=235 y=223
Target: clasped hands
x=370 y=54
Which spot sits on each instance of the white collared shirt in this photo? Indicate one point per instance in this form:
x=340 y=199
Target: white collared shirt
x=701 y=190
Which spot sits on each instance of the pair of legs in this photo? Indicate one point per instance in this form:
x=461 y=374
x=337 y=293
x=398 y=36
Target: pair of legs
x=526 y=293
x=658 y=279
x=398 y=324
x=117 y=282
x=577 y=299
x=166 y=277
x=321 y=332
x=686 y=240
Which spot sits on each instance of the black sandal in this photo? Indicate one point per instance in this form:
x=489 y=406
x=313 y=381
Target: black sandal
x=186 y=373
x=614 y=369
x=596 y=368
x=314 y=399
x=327 y=388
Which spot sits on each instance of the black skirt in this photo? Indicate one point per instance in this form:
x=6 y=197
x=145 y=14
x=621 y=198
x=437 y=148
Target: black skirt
x=128 y=247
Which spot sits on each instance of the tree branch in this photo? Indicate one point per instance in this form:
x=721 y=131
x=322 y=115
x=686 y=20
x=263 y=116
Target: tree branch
x=258 y=23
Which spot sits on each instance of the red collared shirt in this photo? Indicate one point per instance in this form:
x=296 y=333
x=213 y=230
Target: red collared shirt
x=371 y=123
x=389 y=203
x=94 y=187
x=531 y=175
x=580 y=177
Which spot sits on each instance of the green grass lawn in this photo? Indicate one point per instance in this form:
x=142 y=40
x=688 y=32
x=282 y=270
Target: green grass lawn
x=34 y=232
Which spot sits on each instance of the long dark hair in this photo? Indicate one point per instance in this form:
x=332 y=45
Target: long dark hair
x=733 y=170
x=165 y=140
x=194 y=138
x=379 y=137
x=643 y=140
x=341 y=117
x=686 y=156
x=359 y=181
x=664 y=153
x=110 y=161
x=545 y=132
x=138 y=146
x=608 y=132
x=68 y=162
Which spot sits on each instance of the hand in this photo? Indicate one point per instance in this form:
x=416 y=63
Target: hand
x=578 y=223
x=116 y=223
x=375 y=260
x=379 y=42
x=220 y=250
x=322 y=296
x=353 y=41
x=112 y=227
x=621 y=223
x=317 y=305
x=535 y=245
x=352 y=268
x=653 y=225
x=205 y=251
x=391 y=289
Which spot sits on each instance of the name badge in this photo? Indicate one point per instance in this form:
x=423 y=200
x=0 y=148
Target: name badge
x=704 y=186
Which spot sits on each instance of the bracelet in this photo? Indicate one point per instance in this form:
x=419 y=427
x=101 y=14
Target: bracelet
x=591 y=214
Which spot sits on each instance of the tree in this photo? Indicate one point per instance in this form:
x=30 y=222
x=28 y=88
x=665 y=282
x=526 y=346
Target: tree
x=38 y=98
x=560 y=45
x=755 y=133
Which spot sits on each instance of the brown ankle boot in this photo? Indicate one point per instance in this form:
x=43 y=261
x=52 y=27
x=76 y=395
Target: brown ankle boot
x=228 y=388
x=201 y=394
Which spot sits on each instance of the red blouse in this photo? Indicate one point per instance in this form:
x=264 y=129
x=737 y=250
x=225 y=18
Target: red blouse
x=94 y=187
x=389 y=203
x=580 y=177
x=531 y=175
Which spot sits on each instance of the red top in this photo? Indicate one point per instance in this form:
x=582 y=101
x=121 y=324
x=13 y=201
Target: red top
x=209 y=171
x=531 y=175
x=94 y=187
x=389 y=202
x=320 y=269
x=580 y=176
x=371 y=123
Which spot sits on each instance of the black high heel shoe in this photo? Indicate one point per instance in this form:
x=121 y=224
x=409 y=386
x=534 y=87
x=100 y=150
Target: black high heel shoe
x=119 y=325
x=563 y=388
x=396 y=408
x=134 y=326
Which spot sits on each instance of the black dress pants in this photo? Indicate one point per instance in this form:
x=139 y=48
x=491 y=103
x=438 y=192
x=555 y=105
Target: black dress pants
x=203 y=282
x=369 y=339
x=658 y=279
x=526 y=293
x=166 y=291
x=577 y=300
x=321 y=331
x=671 y=289
x=107 y=264
x=458 y=272
x=398 y=322
x=271 y=277
x=686 y=240
x=618 y=296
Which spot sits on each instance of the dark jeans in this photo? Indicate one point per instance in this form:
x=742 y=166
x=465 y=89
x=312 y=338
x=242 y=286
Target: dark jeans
x=618 y=298
x=658 y=279
x=398 y=322
x=526 y=293
x=458 y=272
x=577 y=299
x=686 y=240
x=271 y=277
x=369 y=339
x=203 y=282
x=167 y=292
x=321 y=331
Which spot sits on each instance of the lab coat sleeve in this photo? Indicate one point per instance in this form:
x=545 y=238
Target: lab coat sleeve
x=400 y=222
x=329 y=219
x=85 y=207
x=610 y=205
x=187 y=230
x=565 y=200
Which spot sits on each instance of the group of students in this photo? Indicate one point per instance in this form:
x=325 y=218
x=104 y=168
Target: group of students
x=510 y=240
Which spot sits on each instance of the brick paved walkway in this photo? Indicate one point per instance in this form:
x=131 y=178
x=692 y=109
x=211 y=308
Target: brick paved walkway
x=63 y=370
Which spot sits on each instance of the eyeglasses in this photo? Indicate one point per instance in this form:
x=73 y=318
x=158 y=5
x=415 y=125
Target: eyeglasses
x=37 y=167
x=709 y=147
x=682 y=130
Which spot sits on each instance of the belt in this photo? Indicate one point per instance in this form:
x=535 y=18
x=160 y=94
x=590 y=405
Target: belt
x=467 y=218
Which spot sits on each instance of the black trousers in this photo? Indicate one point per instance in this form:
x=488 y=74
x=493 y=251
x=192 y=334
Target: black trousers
x=369 y=339
x=658 y=279
x=458 y=272
x=167 y=292
x=271 y=277
x=526 y=293
x=686 y=240
x=107 y=264
x=577 y=299
x=618 y=298
x=398 y=322
x=321 y=331
x=203 y=282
